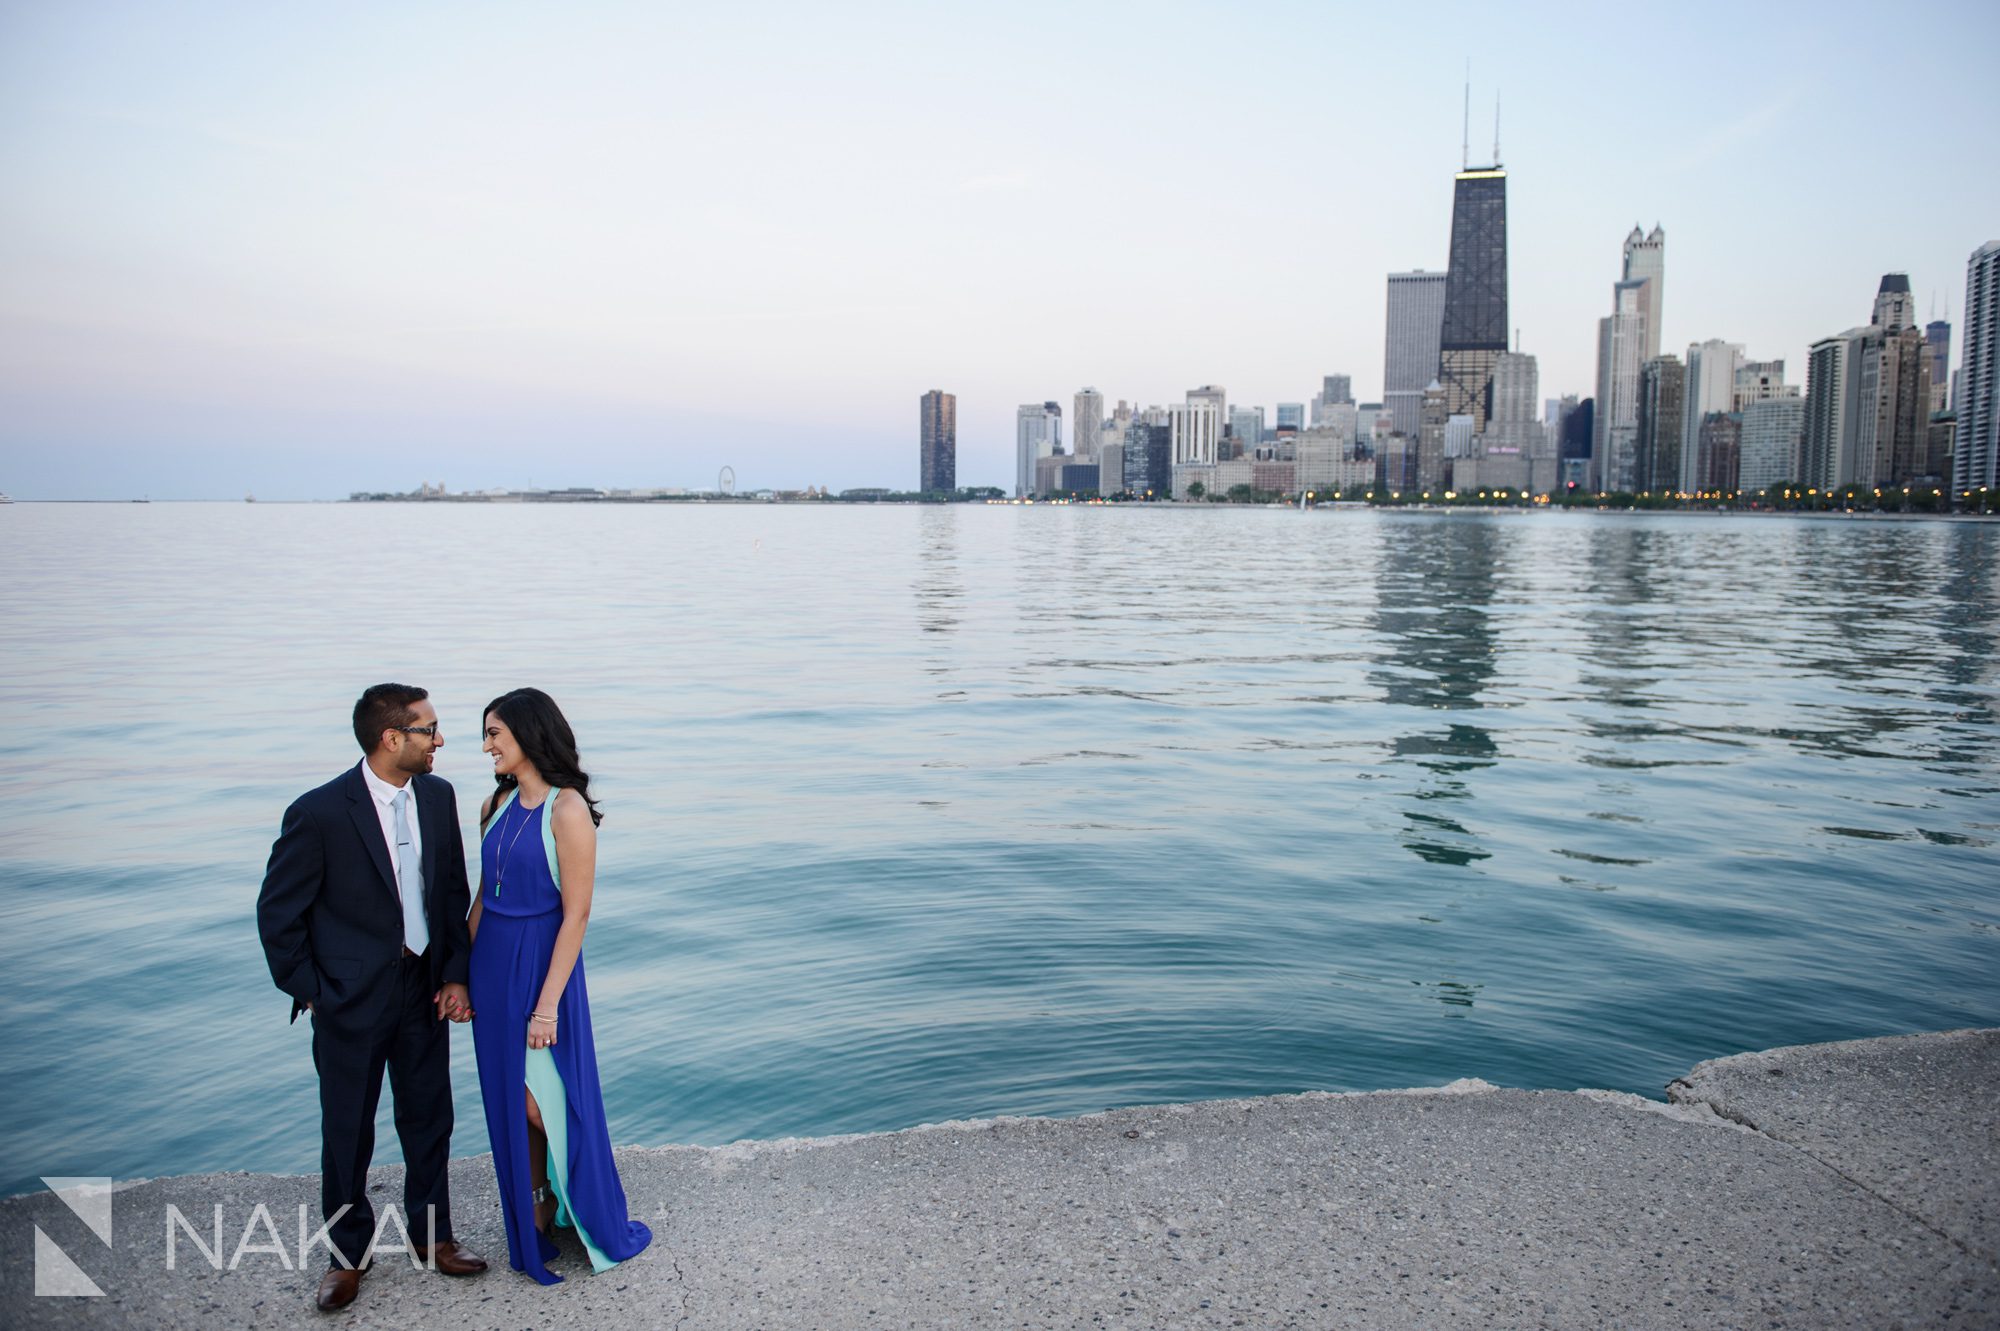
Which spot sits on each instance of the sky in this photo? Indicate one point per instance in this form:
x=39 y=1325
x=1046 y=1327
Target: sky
x=297 y=251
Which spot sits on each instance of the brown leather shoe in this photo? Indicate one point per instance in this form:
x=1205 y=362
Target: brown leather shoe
x=451 y=1259
x=337 y=1288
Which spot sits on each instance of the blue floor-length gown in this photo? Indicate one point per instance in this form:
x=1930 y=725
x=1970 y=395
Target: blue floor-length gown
x=520 y=912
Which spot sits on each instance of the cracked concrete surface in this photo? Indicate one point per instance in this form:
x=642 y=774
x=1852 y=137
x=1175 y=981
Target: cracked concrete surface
x=1863 y=1196
x=1831 y=1101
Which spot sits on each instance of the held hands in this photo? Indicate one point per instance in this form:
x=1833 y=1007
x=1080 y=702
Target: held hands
x=541 y=1030
x=454 y=1003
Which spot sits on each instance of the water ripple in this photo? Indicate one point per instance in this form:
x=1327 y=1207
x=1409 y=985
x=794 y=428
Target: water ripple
x=917 y=814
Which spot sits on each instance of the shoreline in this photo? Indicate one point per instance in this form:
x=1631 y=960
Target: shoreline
x=1342 y=505
x=1852 y=1184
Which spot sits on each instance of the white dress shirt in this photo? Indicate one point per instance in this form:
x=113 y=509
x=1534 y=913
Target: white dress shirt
x=385 y=811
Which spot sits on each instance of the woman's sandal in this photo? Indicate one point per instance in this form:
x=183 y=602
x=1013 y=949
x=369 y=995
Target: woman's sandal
x=545 y=1227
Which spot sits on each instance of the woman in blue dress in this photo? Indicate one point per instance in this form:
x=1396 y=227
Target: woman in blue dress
x=531 y=1029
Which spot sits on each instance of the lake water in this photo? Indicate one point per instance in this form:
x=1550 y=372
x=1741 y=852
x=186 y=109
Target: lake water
x=924 y=813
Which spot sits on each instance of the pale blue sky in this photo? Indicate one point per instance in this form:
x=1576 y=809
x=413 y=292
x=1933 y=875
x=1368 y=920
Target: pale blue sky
x=300 y=250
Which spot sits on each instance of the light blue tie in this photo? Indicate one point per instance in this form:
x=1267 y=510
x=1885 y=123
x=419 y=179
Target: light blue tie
x=410 y=879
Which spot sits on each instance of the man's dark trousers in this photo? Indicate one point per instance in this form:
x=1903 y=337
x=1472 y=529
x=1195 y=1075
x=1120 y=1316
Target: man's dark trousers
x=408 y=1039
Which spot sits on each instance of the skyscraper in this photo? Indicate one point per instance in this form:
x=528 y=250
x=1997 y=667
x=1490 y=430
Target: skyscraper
x=1578 y=428
x=1902 y=407
x=1759 y=381
x=1087 y=424
x=1646 y=261
x=1516 y=389
x=1512 y=452
x=1625 y=341
x=1110 y=464
x=1937 y=336
x=1196 y=428
x=1371 y=422
x=1410 y=347
x=1711 y=388
x=1895 y=308
x=1432 y=469
x=1396 y=464
x=1768 y=446
x=1320 y=459
x=1341 y=420
x=1216 y=397
x=1474 y=329
x=937 y=442
x=1459 y=436
x=1291 y=415
x=1621 y=346
x=1556 y=413
x=1656 y=465
x=1246 y=427
x=1196 y=432
x=1718 y=452
x=1868 y=396
x=1937 y=445
x=1149 y=459
x=1827 y=446
x=1037 y=434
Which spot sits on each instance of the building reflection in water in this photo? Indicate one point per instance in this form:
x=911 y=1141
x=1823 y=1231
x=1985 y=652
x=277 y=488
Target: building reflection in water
x=1887 y=656
x=1970 y=558
x=939 y=588
x=1434 y=585
x=1616 y=670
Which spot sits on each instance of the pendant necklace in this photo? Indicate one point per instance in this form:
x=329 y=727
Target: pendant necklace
x=500 y=864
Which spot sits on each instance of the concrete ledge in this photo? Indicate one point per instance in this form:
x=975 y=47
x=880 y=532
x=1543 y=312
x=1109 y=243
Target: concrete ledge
x=1914 y=1119
x=1863 y=1196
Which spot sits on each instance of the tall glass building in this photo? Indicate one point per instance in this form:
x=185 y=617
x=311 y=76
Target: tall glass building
x=1937 y=337
x=937 y=442
x=1646 y=261
x=1037 y=434
x=1474 y=330
x=1088 y=423
x=1410 y=345
x=1975 y=455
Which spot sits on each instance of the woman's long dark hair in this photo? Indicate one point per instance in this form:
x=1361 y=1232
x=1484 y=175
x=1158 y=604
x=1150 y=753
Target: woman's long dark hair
x=546 y=740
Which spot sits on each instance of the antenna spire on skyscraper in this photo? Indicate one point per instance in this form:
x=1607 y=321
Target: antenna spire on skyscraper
x=1496 y=127
x=1465 y=143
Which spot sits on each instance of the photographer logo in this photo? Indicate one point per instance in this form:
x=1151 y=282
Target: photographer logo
x=56 y=1274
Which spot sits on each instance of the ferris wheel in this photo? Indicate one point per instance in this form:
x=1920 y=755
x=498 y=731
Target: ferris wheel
x=725 y=481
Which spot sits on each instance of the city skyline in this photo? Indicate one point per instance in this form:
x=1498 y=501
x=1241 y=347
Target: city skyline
x=563 y=251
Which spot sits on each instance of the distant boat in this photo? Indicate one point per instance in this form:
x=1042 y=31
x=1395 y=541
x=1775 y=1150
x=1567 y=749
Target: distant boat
x=6 y=499
x=249 y=499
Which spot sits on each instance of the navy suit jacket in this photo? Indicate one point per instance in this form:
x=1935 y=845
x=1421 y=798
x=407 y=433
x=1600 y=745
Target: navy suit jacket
x=328 y=913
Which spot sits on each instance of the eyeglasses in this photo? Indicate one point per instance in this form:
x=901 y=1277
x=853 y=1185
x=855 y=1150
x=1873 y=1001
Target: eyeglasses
x=430 y=730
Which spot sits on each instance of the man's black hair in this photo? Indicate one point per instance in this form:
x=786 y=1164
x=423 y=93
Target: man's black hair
x=384 y=707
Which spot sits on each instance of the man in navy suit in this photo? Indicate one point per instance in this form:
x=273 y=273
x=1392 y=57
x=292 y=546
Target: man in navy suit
x=363 y=920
